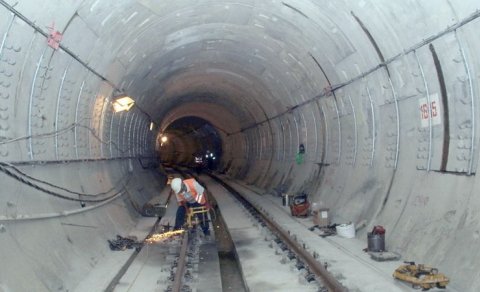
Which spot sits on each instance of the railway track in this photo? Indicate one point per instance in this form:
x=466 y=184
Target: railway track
x=183 y=268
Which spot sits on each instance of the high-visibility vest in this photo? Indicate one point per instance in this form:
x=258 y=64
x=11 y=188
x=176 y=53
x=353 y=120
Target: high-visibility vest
x=199 y=198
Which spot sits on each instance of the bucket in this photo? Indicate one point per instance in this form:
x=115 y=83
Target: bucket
x=346 y=230
x=376 y=242
x=286 y=200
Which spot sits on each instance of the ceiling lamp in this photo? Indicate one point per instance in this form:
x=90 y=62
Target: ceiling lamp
x=122 y=103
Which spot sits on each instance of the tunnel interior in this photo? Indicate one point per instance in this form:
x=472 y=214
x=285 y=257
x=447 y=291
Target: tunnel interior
x=189 y=138
x=382 y=96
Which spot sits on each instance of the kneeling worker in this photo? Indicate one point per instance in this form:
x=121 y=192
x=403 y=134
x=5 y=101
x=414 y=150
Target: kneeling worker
x=189 y=194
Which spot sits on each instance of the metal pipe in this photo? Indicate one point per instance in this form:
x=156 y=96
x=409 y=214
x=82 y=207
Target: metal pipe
x=290 y=137
x=254 y=142
x=326 y=134
x=125 y=134
x=381 y=65
x=146 y=135
x=30 y=104
x=91 y=109
x=339 y=126
x=59 y=95
x=430 y=127
x=110 y=133
x=5 y=35
x=397 y=142
x=260 y=146
x=101 y=126
x=305 y=143
x=142 y=129
x=295 y=149
x=119 y=153
x=18 y=218
x=66 y=161
x=247 y=146
x=355 y=131
x=66 y=50
x=472 y=107
x=76 y=119
x=316 y=134
x=143 y=126
x=374 y=134
x=136 y=135
x=133 y=141
x=129 y=135
x=283 y=140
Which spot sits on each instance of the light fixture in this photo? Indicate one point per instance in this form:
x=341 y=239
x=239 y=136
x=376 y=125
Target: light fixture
x=163 y=140
x=151 y=126
x=122 y=103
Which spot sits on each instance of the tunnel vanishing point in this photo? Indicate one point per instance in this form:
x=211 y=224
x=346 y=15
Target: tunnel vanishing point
x=383 y=96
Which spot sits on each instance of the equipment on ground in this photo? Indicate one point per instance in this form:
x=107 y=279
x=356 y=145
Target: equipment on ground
x=421 y=276
x=154 y=210
x=300 y=206
x=123 y=243
x=192 y=211
x=376 y=239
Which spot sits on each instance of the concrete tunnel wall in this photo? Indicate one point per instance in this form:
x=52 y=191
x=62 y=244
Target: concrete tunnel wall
x=351 y=80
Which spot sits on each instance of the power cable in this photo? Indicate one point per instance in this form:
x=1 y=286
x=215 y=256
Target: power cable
x=71 y=126
x=43 y=135
x=55 y=194
x=59 y=187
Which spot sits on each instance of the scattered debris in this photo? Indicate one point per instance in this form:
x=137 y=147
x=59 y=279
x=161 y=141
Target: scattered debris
x=300 y=206
x=123 y=243
x=325 y=230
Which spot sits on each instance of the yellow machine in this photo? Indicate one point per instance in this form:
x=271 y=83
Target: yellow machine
x=421 y=276
x=192 y=211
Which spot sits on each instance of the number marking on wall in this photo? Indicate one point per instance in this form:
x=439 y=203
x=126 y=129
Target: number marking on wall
x=435 y=109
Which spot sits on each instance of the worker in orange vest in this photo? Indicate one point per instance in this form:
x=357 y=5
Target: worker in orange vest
x=189 y=194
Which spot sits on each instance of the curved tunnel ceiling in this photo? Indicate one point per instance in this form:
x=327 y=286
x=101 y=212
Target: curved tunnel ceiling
x=383 y=95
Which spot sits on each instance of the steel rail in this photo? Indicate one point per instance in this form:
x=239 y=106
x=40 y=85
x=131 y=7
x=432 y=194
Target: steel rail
x=181 y=264
x=315 y=266
x=111 y=286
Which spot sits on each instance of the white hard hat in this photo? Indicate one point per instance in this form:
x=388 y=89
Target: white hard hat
x=176 y=185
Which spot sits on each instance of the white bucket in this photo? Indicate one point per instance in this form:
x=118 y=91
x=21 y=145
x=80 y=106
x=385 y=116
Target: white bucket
x=346 y=230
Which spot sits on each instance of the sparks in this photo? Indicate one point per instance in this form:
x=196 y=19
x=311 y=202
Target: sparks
x=158 y=237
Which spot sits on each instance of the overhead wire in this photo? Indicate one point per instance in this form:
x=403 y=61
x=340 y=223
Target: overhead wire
x=56 y=186
x=55 y=194
x=29 y=180
x=61 y=131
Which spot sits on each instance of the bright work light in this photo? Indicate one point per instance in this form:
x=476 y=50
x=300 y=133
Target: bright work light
x=123 y=103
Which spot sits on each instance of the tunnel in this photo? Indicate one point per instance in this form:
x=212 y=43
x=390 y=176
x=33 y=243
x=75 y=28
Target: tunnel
x=369 y=107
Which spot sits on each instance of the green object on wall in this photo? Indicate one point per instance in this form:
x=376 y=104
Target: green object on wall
x=299 y=158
